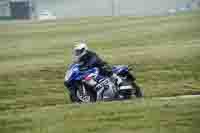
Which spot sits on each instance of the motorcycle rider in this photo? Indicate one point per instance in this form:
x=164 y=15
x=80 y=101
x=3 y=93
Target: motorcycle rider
x=89 y=59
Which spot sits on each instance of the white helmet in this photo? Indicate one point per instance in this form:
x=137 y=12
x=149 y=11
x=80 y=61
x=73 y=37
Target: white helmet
x=80 y=50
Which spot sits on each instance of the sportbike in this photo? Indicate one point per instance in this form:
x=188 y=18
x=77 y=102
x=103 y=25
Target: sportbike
x=88 y=85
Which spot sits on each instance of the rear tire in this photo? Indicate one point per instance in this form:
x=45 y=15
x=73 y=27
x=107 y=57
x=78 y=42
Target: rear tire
x=127 y=94
x=138 y=91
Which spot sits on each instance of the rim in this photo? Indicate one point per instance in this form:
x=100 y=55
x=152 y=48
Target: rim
x=83 y=97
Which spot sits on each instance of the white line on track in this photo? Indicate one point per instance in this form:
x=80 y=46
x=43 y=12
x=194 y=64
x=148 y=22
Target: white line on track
x=183 y=96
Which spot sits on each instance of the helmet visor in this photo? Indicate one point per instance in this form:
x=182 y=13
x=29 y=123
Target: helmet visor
x=78 y=52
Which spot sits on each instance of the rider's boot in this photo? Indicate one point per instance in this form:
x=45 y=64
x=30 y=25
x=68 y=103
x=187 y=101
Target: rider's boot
x=117 y=79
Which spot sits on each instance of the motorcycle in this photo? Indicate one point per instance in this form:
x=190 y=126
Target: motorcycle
x=88 y=85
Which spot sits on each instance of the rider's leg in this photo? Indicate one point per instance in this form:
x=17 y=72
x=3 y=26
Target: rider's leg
x=117 y=79
x=107 y=71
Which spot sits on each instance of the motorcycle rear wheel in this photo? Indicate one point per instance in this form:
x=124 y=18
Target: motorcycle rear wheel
x=138 y=91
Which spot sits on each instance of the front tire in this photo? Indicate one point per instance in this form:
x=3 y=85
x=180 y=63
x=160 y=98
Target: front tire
x=84 y=95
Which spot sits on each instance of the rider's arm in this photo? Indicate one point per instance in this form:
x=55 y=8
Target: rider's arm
x=98 y=62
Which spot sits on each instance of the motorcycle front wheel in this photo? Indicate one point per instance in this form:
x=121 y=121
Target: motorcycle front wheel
x=84 y=95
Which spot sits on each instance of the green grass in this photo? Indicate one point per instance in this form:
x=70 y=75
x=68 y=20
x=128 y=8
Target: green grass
x=141 y=116
x=164 y=53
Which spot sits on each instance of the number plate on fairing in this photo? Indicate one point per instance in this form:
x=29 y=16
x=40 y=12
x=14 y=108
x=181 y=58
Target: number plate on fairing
x=102 y=84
